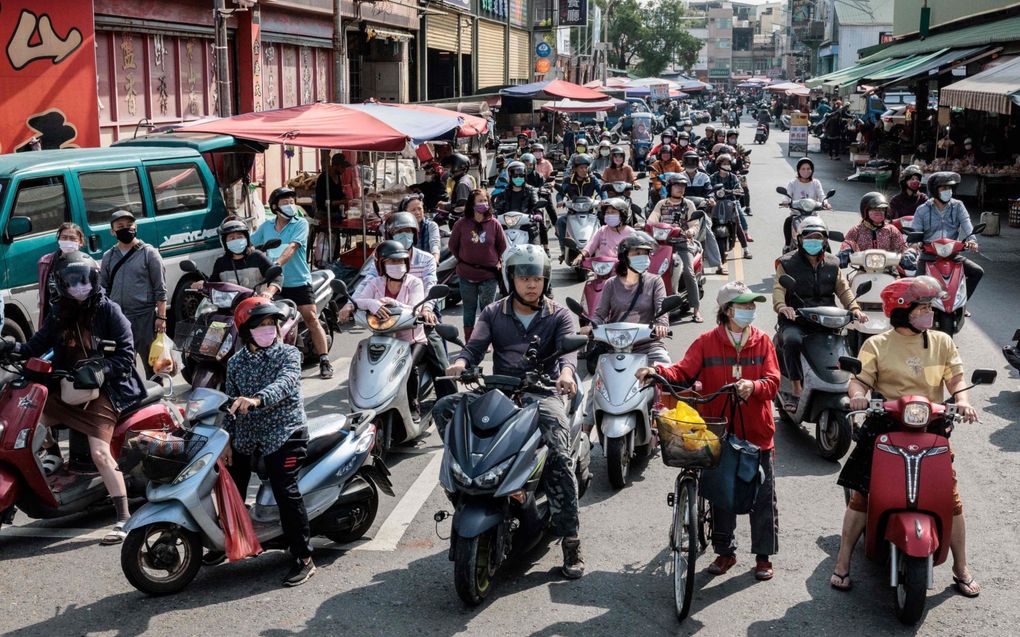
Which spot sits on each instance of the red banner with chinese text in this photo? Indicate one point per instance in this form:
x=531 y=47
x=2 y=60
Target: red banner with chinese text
x=47 y=75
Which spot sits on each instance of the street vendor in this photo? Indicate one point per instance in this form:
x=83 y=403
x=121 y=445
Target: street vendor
x=341 y=181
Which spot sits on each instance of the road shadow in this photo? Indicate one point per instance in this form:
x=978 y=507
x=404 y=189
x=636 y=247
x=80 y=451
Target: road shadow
x=1004 y=405
x=796 y=452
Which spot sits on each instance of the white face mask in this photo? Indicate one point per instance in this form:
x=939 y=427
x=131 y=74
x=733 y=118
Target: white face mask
x=68 y=246
x=288 y=210
x=639 y=263
x=946 y=195
x=604 y=152
x=396 y=270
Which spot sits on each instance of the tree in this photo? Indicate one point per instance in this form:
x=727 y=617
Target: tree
x=650 y=37
x=626 y=30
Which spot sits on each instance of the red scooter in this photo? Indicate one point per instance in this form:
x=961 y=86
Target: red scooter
x=24 y=484
x=942 y=259
x=666 y=263
x=602 y=269
x=910 y=501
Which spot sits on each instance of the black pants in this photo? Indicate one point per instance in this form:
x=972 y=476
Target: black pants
x=764 y=518
x=282 y=466
x=543 y=228
x=436 y=361
x=787 y=230
x=973 y=273
x=791 y=337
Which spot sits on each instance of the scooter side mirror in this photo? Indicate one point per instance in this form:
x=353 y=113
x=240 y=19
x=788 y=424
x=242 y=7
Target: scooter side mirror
x=570 y=243
x=978 y=229
x=698 y=214
x=274 y=272
x=670 y=304
x=787 y=281
x=449 y=333
x=852 y=365
x=572 y=344
x=1016 y=335
x=829 y=194
x=983 y=377
x=574 y=306
x=863 y=288
x=189 y=266
x=782 y=190
x=339 y=288
x=642 y=175
x=437 y=292
x=835 y=235
x=915 y=237
x=268 y=245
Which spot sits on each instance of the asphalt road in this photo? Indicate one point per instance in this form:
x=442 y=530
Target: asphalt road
x=58 y=581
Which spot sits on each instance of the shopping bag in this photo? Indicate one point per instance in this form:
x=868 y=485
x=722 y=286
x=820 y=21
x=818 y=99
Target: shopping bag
x=161 y=354
x=238 y=533
x=733 y=484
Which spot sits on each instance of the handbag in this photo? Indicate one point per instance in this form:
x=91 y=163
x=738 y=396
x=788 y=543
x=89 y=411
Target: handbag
x=72 y=395
x=733 y=484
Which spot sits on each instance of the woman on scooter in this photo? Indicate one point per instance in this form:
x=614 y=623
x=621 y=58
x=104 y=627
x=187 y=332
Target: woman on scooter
x=620 y=170
x=873 y=232
x=804 y=186
x=241 y=263
x=478 y=242
x=728 y=191
x=906 y=201
x=710 y=360
x=267 y=419
x=81 y=318
x=910 y=359
x=677 y=211
x=615 y=228
x=664 y=165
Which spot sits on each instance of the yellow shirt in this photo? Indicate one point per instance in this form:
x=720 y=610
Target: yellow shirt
x=898 y=365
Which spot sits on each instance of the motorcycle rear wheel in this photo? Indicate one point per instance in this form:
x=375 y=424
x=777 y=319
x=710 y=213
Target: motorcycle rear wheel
x=363 y=512
x=912 y=590
x=161 y=547
x=473 y=566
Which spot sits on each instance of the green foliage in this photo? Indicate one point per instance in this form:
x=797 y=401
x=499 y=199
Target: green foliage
x=651 y=37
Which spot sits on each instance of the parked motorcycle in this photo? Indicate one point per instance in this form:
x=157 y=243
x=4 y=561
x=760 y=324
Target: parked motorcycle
x=492 y=470
x=381 y=367
x=163 y=549
x=582 y=222
x=622 y=406
x=799 y=209
x=942 y=260
x=823 y=398
x=23 y=482
x=879 y=267
x=910 y=501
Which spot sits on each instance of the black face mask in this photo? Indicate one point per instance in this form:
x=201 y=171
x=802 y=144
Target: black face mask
x=126 y=235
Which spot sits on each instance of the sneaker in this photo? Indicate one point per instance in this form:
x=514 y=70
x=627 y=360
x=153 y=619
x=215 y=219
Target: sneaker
x=325 y=368
x=722 y=564
x=747 y=254
x=763 y=570
x=212 y=558
x=573 y=563
x=299 y=572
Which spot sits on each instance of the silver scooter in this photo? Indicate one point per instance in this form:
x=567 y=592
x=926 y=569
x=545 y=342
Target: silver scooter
x=880 y=268
x=582 y=222
x=163 y=549
x=622 y=406
x=380 y=369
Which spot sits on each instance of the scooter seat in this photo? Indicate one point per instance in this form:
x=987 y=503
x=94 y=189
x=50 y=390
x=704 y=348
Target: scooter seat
x=153 y=394
x=319 y=279
x=323 y=434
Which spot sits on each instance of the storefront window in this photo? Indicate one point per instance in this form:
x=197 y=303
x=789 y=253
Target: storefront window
x=544 y=10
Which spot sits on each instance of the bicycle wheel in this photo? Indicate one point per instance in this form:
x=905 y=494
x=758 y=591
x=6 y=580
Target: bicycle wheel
x=683 y=544
x=704 y=522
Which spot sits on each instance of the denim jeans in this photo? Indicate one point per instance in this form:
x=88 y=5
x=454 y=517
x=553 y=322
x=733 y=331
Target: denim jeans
x=475 y=296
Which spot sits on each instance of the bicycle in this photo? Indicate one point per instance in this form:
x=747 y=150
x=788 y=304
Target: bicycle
x=691 y=527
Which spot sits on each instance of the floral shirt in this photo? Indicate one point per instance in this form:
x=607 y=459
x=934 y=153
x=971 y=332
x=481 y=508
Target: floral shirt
x=273 y=375
x=864 y=236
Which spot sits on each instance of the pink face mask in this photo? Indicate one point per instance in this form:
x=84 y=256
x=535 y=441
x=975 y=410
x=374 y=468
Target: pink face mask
x=914 y=184
x=922 y=322
x=264 y=335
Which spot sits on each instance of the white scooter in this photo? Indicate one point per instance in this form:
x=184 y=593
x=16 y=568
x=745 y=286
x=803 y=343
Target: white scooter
x=582 y=222
x=621 y=405
x=879 y=267
x=519 y=228
x=380 y=369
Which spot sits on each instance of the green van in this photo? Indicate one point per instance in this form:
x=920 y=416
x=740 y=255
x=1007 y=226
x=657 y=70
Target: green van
x=173 y=184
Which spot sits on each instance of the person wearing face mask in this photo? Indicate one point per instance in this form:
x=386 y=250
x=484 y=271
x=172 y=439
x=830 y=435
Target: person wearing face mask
x=943 y=217
x=478 y=242
x=688 y=128
x=667 y=141
x=873 y=232
x=543 y=166
x=602 y=159
x=676 y=211
x=267 y=420
x=522 y=197
x=82 y=317
x=70 y=238
x=460 y=183
x=241 y=263
x=580 y=184
x=819 y=281
x=133 y=276
x=803 y=186
x=580 y=150
x=619 y=170
x=666 y=163
x=706 y=143
x=292 y=231
x=426 y=236
x=615 y=228
x=909 y=360
x=737 y=352
x=909 y=197
x=728 y=192
x=433 y=190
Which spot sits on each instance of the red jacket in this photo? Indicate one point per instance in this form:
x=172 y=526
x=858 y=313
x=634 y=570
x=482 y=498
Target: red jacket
x=711 y=358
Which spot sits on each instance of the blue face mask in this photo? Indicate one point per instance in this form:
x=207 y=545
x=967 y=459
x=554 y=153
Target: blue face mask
x=518 y=181
x=640 y=263
x=743 y=318
x=813 y=246
x=237 y=246
x=405 y=239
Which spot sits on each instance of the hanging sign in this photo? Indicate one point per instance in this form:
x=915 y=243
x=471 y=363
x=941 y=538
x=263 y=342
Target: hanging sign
x=573 y=13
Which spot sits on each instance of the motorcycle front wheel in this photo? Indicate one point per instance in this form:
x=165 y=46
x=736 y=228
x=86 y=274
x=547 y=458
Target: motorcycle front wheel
x=912 y=589
x=618 y=461
x=474 y=565
x=832 y=434
x=161 y=558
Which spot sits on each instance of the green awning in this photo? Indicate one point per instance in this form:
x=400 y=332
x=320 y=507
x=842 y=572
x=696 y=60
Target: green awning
x=842 y=74
x=903 y=67
x=845 y=85
x=998 y=32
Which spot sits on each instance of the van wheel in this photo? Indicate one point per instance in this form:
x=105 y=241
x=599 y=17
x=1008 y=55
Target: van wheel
x=13 y=330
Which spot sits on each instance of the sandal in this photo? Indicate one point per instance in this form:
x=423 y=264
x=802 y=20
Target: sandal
x=790 y=404
x=697 y=318
x=845 y=583
x=115 y=536
x=967 y=588
x=723 y=272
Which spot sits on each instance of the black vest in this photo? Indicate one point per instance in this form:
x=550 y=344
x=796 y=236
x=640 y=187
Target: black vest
x=815 y=287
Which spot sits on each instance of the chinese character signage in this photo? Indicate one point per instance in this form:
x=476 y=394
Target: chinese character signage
x=573 y=13
x=47 y=75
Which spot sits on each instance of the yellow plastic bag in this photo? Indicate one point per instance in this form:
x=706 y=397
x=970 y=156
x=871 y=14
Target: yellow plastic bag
x=683 y=416
x=161 y=354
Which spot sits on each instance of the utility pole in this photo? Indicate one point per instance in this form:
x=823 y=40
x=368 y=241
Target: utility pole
x=339 y=56
x=223 y=92
x=605 y=42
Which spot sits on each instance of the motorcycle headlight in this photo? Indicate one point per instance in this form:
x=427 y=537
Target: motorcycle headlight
x=458 y=473
x=875 y=261
x=193 y=468
x=621 y=339
x=222 y=299
x=226 y=348
x=916 y=414
x=660 y=234
x=601 y=268
x=377 y=324
x=944 y=250
x=491 y=478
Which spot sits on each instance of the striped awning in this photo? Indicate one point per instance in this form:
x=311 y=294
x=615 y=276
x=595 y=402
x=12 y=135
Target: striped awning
x=992 y=90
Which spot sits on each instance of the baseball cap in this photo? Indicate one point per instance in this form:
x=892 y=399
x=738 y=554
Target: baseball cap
x=737 y=292
x=121 y=214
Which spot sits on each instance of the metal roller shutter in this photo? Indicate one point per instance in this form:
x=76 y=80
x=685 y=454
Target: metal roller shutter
x=441 y=33
x=520 y=54
x=491 y=54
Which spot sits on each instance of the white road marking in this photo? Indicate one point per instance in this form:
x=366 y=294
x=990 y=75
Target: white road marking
x=394 y=527
x=53 y=532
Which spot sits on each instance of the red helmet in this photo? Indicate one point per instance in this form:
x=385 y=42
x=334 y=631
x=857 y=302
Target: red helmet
x=252 y=311
x=906 y=292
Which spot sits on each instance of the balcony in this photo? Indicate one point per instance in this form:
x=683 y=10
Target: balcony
x=811 y=31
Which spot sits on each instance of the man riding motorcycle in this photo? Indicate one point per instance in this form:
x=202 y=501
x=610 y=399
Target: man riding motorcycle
x=677 y=211
x=706 y=143
x=819 y=282
x=910 y=359
x=580 y=184
x=521 y=197
x=459 y=184
x=943 y=217
x=509 y=326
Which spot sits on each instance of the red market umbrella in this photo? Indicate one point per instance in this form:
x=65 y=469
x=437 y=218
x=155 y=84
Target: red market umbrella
x=554 y=90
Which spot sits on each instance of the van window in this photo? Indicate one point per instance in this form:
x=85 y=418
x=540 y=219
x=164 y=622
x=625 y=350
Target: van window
x=107 y=191
x=177 y=188
x=44 y=201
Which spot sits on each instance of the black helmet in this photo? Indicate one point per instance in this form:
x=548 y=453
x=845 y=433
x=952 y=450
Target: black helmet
x=873 y=200
x=666 y=148
x=582 y=159
x=401 y=222
x=732 y=132
x=231 y=225
x=692 y=157
x=671 y=179
x=457 y=164
x=669 y=132
x=516 y=169
x=390 y=249
x=683 y=135
x=636 y=241
x=907 y=173
x=616 y=150
x=805 y=160
x=526 y=260
x=280 y=193
x=942 y=178
x=76 y=269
